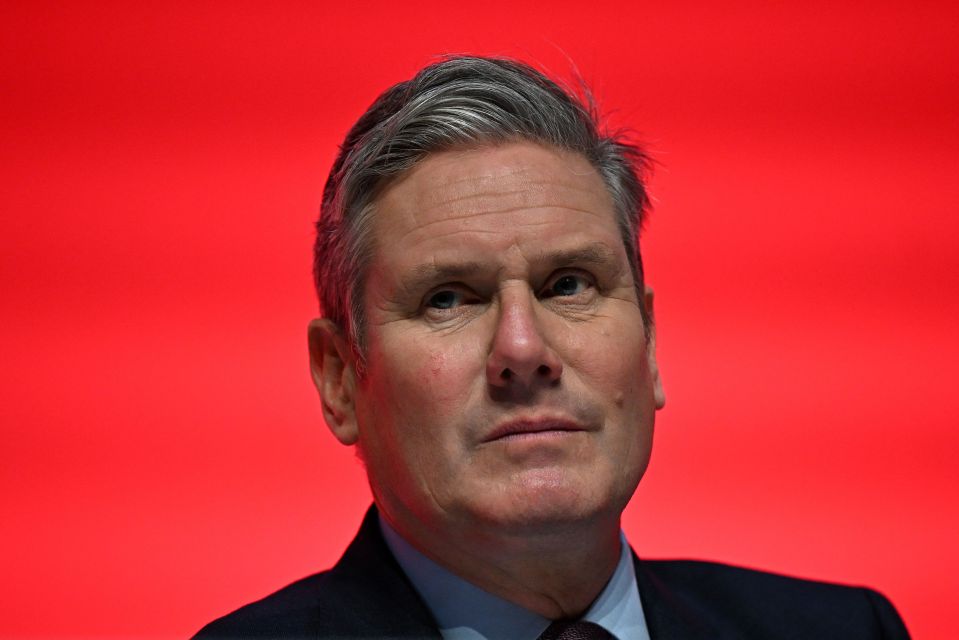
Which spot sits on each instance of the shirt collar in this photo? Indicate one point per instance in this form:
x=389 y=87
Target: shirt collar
x=463 y=611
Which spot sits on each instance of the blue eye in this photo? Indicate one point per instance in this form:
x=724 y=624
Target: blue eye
x=568 y=285
x=445 y=299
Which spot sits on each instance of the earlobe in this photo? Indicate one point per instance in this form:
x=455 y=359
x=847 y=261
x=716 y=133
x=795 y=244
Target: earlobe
x=658 y=394
x=334 y=375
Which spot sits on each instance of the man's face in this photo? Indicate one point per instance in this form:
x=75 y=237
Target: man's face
x=509 y=383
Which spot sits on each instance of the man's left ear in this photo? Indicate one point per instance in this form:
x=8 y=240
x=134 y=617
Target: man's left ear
x=334 y=374
x=658 y=393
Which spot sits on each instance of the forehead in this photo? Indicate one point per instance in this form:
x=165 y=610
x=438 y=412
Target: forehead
x=496 y=196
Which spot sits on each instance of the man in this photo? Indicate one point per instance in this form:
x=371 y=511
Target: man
x=488 y=346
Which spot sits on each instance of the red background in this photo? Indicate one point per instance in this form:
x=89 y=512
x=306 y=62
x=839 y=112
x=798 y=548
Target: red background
x=164 y=459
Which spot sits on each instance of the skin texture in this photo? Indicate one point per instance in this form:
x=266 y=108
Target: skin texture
x=506 y=413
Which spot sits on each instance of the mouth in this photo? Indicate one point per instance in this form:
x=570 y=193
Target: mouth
x=533 y=428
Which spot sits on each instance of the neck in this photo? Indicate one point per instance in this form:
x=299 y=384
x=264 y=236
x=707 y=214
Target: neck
x=555 y=570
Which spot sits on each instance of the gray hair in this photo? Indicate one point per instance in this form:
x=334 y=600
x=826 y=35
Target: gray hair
x=459 y=102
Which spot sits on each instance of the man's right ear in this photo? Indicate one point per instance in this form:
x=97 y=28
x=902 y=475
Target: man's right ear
x=333 y=367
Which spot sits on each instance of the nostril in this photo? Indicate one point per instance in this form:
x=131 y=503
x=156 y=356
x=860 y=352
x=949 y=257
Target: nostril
x=543 y=370
x=507 y=374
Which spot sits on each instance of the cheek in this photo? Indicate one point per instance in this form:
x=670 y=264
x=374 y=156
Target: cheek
x=432 y=381
x=611 y=359
x=442 y=376
x=434 y=373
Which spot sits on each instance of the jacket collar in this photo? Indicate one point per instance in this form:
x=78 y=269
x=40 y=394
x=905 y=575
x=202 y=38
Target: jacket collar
x=369 y=570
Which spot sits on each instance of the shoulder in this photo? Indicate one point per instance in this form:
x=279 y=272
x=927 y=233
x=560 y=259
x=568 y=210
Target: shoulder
x=769 y=605
x=330 y=605
x=366 y=595
x=300 y=609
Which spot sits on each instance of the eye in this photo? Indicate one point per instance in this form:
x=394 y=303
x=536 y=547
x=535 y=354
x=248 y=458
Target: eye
x=445 y=299
x=568 y=284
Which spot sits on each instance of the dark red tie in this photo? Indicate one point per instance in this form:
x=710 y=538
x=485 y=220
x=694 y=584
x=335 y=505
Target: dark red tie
x=572 y=630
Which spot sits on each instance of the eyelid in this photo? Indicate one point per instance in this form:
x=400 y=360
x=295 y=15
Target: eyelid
x=562 y=273
x=457 y=288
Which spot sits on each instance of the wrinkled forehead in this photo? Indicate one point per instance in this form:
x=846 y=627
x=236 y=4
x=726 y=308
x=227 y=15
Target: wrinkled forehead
x=489 y=188
x=509 y=212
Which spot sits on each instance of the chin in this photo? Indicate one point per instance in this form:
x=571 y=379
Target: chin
x=550 y=504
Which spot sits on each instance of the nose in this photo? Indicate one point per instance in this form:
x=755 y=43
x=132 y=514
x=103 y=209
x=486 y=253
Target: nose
x=520 y=354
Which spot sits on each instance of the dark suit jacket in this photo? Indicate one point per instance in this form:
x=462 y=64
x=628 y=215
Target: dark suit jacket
x=367 y=595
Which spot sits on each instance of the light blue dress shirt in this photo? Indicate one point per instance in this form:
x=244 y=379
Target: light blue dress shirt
x=466 y=612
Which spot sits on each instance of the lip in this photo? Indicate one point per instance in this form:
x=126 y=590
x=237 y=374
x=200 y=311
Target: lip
x=532 y=426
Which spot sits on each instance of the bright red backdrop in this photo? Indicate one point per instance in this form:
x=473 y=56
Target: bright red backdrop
x=164 y=458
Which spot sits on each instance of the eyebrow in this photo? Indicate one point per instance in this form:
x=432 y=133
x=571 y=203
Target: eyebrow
x=597 y=254
x=427 y=274
x=424 y=275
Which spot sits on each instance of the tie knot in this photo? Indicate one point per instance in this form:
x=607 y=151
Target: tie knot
x=575 y=630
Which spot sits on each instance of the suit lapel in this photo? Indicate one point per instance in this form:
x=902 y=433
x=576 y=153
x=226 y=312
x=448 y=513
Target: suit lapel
x=667 y=616
x=384 y=602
